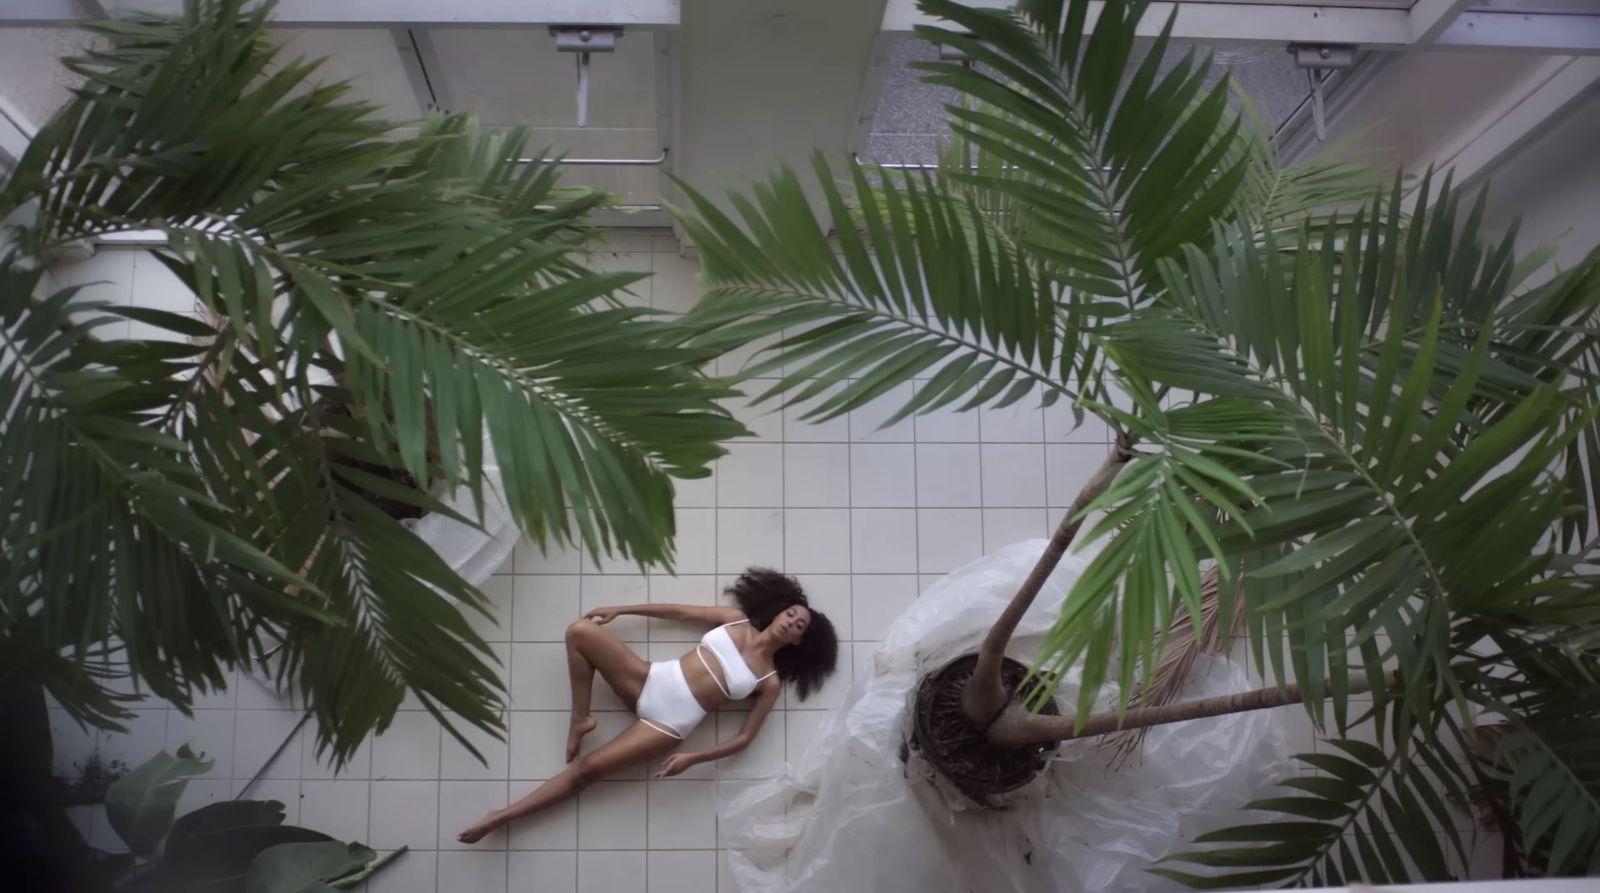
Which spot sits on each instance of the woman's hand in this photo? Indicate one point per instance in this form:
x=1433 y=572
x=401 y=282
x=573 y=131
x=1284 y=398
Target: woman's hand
x=603 y=616
x=675 y=764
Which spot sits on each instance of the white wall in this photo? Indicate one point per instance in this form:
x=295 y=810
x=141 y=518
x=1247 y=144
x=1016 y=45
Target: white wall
x=1553 y=183
x=1459 y=110
x=764 y=84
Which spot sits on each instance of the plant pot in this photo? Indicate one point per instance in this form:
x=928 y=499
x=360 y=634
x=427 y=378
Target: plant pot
x=473 y=552
x=981 y=770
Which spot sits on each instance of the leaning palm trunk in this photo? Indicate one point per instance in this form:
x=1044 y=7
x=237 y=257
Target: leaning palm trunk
x=985 y=697
x=1017 y=726
x=1008 y=723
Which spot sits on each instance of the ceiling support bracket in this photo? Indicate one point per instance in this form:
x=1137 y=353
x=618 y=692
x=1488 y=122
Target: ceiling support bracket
x=1318 y=59
x=583 y=40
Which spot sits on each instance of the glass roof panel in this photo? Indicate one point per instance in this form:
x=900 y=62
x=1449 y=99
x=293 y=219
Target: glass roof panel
x=1571 y=7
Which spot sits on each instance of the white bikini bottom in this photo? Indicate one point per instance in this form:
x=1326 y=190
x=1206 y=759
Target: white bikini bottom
x=666 y=704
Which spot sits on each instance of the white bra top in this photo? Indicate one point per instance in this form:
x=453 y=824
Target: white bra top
x=741 y=679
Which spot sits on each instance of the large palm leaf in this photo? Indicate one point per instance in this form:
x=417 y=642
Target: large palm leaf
x=432 y=282
x=1343 y=396
x=1094 y=191
x=1382 y=813
x=1411 y=510
x=1379 y=441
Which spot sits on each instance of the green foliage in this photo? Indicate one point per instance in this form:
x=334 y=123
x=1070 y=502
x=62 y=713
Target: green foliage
x=1339 y=391
x=181 y=505
x=1351 y=821
x=304 y=867
x=230 y=846
x=141 y=804
x=911 y=289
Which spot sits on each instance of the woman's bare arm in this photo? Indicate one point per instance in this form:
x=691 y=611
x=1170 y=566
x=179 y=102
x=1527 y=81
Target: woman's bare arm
x=710 y=615
x=678 y=762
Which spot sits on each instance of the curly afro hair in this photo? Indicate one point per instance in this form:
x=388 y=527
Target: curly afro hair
x=762 y=595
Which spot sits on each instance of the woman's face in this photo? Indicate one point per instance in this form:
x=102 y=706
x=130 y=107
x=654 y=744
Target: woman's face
x=792 y=624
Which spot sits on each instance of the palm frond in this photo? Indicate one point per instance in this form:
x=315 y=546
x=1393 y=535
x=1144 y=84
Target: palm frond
x=1547 y=699
x=1388 y=494
x=1221 y=615
x=1159 y=521
x=1334 y=180
x=1368 y=814
x=1056 y=190
x=919 y=280
x=433 y=277
x=591 y=408
x=107 y=523
x=1115 y=172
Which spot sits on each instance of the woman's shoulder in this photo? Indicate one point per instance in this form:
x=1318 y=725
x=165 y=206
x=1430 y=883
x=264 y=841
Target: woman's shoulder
x=740 y=627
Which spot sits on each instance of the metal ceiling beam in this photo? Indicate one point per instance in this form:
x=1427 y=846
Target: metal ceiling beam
x=1429 y=18
x=40 y=12
x=16 y=132
x=1233 y=23
x=1546 y=32
x=385 y=13
x=422 y=67
x=1429 y=23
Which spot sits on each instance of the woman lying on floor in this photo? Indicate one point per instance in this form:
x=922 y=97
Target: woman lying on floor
x=772 y=637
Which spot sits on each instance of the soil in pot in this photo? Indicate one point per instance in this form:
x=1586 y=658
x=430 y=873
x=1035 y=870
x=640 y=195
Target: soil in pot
x=95 y=775
x=980 y=769
x=394 y=508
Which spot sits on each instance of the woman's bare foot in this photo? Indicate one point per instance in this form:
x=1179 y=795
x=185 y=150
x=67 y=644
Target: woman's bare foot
x=579 y=728
x=479 y=829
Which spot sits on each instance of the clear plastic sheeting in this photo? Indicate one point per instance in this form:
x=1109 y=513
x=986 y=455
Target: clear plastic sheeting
x=473 y=552
x=855 y=811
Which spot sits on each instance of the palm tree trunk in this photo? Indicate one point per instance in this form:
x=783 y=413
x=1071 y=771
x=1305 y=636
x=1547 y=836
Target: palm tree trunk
x=985 y=697
x=1017 y=726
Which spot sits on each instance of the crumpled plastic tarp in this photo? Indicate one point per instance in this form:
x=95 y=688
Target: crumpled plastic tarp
x=850 y=814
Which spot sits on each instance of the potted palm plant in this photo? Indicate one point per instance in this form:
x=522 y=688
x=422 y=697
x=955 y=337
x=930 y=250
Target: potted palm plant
x=176 y=507
x=1350 y=431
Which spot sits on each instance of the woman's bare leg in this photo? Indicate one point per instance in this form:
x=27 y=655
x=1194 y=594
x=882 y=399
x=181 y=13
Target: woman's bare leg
x=589 y=648
x=638 y=743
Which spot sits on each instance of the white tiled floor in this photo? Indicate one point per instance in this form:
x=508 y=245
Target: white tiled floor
x=866 y=518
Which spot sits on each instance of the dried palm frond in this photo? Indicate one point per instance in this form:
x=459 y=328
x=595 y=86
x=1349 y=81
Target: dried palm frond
x=1177 y=659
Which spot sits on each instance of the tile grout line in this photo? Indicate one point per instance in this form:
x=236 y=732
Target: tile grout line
x=438 y=798
x=1044 y=473
x=850 y=531
x=783 y=469
x=916 y=512
x=649 y=598
x=983 y=503
x=367 y=885
x=577 y=799
x=783 y=549
x=511 y=657
x=716 y=599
